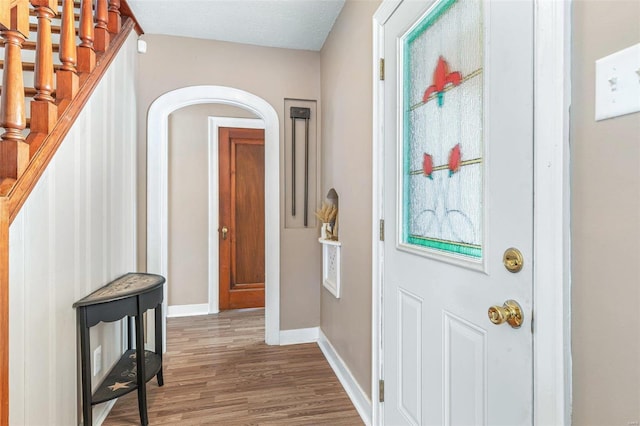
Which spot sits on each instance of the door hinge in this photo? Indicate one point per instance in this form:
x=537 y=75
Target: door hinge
x=381 y=390
x=381 y=229
x=382 y=69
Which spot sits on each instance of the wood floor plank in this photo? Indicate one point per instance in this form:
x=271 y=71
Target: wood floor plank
x=219 y=371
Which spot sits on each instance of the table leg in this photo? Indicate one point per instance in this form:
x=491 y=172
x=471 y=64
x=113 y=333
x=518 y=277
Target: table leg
x=129 y=332
x=140 y=362
x=158 y=327
x=85 y=356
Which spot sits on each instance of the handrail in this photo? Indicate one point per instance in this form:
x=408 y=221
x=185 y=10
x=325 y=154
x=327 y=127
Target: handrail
x=53 y=112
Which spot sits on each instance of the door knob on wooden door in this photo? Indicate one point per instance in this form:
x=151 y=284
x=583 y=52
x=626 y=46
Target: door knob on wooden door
x=224 y=230
x=510 y=312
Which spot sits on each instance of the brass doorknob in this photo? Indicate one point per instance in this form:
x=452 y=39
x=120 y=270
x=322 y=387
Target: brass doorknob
x=224 y=231
x=510 y=312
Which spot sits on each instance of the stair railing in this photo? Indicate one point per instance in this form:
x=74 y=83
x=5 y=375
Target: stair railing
x=24 y=155
x=96 y=28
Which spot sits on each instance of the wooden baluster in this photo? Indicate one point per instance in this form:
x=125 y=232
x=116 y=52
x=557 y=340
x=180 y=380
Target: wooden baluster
x=5 y=15
x=86 y=54
x=102 y=36
x=44 y=111
x=115 y=21
x=67 y=75
x=14 y=151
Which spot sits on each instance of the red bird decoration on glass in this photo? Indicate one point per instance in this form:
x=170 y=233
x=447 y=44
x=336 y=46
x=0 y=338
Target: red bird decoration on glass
x=441 y=78
x=454 y=160
x=427 y=165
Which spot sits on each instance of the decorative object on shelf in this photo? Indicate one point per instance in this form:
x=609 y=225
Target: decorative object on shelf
x=129 y=296
x=328 y=215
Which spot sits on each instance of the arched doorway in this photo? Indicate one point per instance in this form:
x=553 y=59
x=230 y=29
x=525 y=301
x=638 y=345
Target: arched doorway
x=157 y=184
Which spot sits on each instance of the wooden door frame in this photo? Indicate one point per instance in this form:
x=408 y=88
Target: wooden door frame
x=551 y=237
x=157 y=185
x=214 y=251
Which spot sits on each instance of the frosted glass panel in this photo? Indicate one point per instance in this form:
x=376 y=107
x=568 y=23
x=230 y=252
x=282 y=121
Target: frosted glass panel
x=442 y=205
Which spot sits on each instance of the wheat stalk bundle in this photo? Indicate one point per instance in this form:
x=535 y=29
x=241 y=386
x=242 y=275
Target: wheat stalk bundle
x=327 y=213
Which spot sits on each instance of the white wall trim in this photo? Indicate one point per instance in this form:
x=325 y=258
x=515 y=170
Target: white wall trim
x=551 y=236
x=214 y=190
x=299 y=335
x=157 y=184
x=174 y=311
x=552 y=266
x=103 y=412
x=377 y=201
x=356 y=394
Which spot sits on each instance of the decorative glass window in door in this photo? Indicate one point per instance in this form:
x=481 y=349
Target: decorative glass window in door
x=442 y=130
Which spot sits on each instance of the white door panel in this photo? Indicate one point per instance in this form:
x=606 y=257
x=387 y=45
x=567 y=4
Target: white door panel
x=444 y=361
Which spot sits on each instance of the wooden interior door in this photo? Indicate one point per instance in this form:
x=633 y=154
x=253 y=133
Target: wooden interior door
x=241 y=230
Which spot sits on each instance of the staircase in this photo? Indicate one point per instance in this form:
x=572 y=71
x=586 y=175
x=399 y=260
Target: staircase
x=53 y=53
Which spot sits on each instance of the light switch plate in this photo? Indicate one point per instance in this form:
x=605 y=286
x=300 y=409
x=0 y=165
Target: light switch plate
x=618 y=83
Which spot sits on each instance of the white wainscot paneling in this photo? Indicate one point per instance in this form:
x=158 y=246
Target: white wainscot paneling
x=75 y=233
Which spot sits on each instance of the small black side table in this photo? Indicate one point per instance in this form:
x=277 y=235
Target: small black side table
x=130 y=295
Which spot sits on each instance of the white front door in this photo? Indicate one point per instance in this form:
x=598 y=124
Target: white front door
x=458 y=190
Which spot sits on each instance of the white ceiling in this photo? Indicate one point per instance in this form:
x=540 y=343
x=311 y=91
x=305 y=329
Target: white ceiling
x=293 y=24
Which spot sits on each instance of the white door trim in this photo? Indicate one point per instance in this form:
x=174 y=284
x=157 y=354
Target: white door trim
x=552 y=267
x=157 y=184
x=214 y=196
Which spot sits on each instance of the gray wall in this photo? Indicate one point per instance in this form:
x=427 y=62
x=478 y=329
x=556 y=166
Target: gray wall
x=272 y=74
x=605 y=227
x=347 y=166
x=189 y=200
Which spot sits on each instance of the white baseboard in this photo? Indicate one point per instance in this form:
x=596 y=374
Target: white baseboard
x=299 y=335
x=188 y=310
x=356 y=394
x=105 y=409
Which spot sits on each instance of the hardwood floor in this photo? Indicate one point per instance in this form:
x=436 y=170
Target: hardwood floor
x=218 y=370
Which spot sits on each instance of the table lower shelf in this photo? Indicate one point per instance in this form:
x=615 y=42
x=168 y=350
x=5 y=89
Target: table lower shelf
x=122 y=378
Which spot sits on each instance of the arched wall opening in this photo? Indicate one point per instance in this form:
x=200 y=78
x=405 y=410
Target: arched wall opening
x=157 y=187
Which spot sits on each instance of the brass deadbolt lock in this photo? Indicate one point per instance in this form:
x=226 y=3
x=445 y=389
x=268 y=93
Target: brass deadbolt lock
x=513 y=260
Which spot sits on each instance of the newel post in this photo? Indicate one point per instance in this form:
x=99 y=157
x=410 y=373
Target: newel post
x=86 y=53
x=44 y=111
x=102 y=36
x=67 y=75
x=14 y=151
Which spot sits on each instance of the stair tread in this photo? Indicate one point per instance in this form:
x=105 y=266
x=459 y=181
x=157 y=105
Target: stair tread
x=76 y=4
x=29 y=66
x=55 y=29
x=31 y=45
x=29 y=92
x=32 y=12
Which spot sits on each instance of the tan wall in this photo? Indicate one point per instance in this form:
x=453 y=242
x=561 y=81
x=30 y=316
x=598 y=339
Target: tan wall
x=605 y=227
x=272 y=74
x=347 y=152
x=189 y=200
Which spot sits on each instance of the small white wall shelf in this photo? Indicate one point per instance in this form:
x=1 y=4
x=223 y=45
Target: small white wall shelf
x=331 y=265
